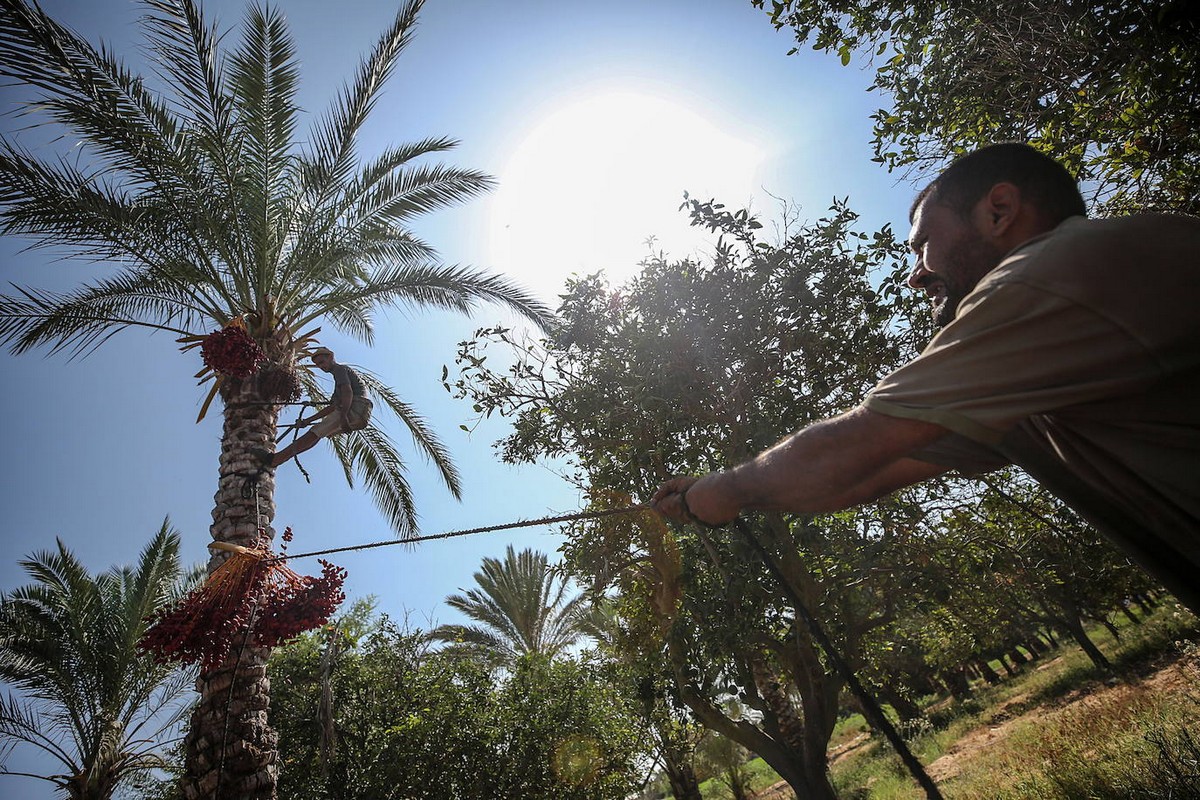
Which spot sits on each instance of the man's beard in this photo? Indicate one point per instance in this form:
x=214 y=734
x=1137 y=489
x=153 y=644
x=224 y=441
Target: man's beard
x=973 y=258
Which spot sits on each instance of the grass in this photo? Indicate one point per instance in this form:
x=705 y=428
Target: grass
x=1137 y=741
x=761 y=776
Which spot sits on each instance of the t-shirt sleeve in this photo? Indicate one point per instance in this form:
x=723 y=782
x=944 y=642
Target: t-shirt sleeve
x=1013 y=351
x=961 y=454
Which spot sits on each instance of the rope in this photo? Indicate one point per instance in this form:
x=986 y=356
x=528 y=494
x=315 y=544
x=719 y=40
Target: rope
x=608 y=512
x=870 y=705
x=241 y=403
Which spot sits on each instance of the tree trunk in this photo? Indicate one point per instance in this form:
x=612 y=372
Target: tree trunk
x=1075 y=628
x=1009 y=670
x=325 y=707
x=958 y=684
x=1144 y=603
x=989 y=674
x=1129 y=615
x=682 y=778
x=804 y=737
x=738 y=782
x=230 y=750
x=905 y=708
x=1108 y=626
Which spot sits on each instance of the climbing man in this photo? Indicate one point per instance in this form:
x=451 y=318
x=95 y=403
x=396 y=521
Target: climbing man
x=349 y=409
x=1068 y=346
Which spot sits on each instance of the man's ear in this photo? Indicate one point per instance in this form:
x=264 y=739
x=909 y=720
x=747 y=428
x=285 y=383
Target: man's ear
x=1000 y=208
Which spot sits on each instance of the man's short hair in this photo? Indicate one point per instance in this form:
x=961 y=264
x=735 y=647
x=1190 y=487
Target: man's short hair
x=1042 y=181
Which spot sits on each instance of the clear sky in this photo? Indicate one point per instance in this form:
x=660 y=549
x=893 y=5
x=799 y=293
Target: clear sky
x=595 y=118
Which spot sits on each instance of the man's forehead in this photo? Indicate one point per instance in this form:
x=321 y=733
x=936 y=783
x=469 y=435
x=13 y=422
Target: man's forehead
x=927 y=217
x=917 y=230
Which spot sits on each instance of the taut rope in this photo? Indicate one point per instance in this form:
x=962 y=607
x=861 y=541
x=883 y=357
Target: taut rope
x=609 y=512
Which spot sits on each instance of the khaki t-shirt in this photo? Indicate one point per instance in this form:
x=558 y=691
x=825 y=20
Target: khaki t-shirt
x=1079 y=353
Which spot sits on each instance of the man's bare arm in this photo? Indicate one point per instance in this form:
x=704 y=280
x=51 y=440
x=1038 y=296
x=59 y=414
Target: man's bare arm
x=829 y=466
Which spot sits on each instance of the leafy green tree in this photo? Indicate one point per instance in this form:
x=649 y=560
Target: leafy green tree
x=1111 y=87
x=522 y=609
x=1065 y=573
x=88 y=699
x=693 y=366
x=1002 y=562
x=211 y=207
x=643 y=673
x=728 y=761
x=419 y=724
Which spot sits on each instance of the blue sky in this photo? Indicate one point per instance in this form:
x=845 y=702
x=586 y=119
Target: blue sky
x=595 y=117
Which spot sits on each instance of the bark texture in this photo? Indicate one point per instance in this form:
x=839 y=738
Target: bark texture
x=231 y=750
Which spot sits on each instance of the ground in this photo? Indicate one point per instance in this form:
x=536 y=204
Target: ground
x=1168 y=676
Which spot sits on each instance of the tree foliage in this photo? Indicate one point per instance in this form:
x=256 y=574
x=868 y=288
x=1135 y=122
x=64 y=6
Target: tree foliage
x=690 y=367
x=1112 y=88
x=88 y=698
x=408 y=722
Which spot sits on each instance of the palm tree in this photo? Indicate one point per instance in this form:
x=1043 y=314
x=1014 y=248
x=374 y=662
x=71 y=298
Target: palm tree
x=90 y=700
x=214 y=212
x=522 y=609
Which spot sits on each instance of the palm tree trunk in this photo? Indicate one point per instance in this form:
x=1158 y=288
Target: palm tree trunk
x=231 y=751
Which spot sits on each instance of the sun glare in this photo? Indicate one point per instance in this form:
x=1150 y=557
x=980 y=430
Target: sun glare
x=598 y=177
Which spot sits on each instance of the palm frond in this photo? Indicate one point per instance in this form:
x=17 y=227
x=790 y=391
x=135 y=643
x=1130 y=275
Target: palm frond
x=354 y=319
x=90 y=700
x=422 y=435
x=518 y=603
x=410 y=193
x=449 y=287
x=185 y=47
x=334 y=260
x=385 y=165
x=154 y=581
x=59 y=204
x=333 y=137
x=474 y=642
x=373 y=456
x=91 y=92
x=24 y=722
x=83 y=319
x=264 y=76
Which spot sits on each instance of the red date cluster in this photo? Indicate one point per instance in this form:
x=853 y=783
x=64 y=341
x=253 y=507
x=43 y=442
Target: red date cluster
x=298 y=605
x=232 y=351
x=253 y=589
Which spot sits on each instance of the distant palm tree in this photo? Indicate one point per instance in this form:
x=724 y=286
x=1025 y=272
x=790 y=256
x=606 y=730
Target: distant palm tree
x=89 y=699
x=521 y=608
x=213 y=210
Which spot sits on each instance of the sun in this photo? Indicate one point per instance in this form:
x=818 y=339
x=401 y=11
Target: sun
x=598 y=179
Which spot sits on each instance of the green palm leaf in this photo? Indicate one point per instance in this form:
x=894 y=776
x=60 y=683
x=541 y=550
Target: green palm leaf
x=88 y=698
x=210 y=205
x=521 y=608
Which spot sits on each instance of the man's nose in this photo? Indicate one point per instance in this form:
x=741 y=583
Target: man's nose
x=919 y=276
